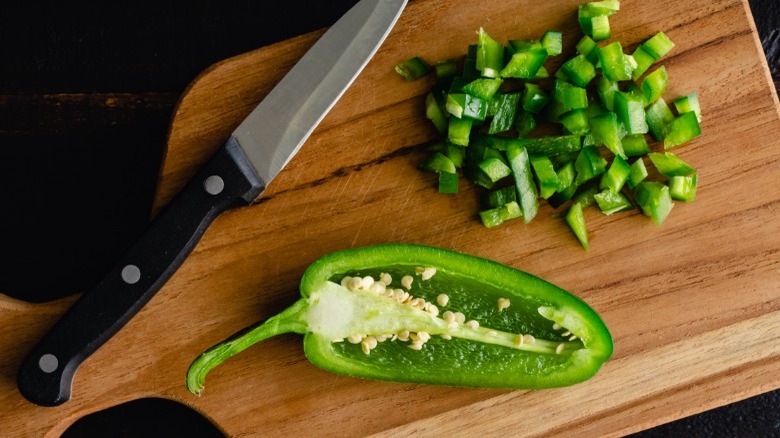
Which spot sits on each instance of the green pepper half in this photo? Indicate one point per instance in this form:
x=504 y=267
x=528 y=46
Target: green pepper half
x=412 y=313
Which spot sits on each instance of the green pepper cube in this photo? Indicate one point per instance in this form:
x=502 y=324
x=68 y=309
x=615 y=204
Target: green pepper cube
x=483 y=88
x=606 y=90
x=438 y=162
x=688 y=103
x=524 y=64
x=589 y=164
x=534 y=98
x=572 y=97
x=576 y=121
x=643 y=61
x=506 y=112
x=681 y=130
x=565 y=176
x=467 y=106
x=658 y=116
x=552 y=41
x=492 y=217
x=490 y=55
x=635 y=92
x=610 y=202
x=489 y=171
x=683 y=188
x=523 y=46
x=576 y=220
x=635 y=145
x=459 y=130
x=584 y=18
x=524 y=123
x=549 y=145
x=456 y=154
x=600 y=27
x=614 y=64
x=545 y=175
x=616 y=176
x=606 y=131
x=413 y=68
x=435 y=113
x=654 y=200
x=631 y=112
x=499 y=197
x=579 y=71
x=638 y=173
x=448 y=182
x=670 y=165
x=527 y=193
x=604 y=7
x=654 y=85
x=445 y=71
x=658 y=46
x=588 y=48
x=585 y=195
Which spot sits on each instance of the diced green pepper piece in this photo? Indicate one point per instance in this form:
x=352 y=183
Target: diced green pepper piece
x=688 y=103
x=524 y=123
x=611 y=202
x=413 y=68
x=670 y=165
x=658 y=116
x=643 y=61
x=589 y=164
x=585 y=195
x=604 y=7
x=534 y=98
x=606 y=90
x=635 y=145
x=497 y=216
x=614 y=64
x=483 y=88
x=523 y=46
x=545 y=174
x=445 y=71
x=681 y=130
x=552 y=41
x=576 y=220
x=524 y=181
x=490 y=55
x=435 y=113
x=572 y=97
x=506 y=112
x=542 y=73
x=467 y=106
x=548 y=145
x=438 y=162
x=459 y=130
x=448 y=182
x=565 y=176
x=658 y=46
x=654 y=200
x=654 y=85
x=616 y=176
x=638 y=173
x=499 y=197
x=524 y=64
x=683 y=188
x=600 y=27
x=490 y=171
x=635 y=92
x=579 y=71
x=576 y=121
x=606 y=131
x=631 y=112
x=588 y=48
x=457 y=154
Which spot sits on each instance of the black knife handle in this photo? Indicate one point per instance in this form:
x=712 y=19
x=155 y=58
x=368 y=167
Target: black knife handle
x=227 y=180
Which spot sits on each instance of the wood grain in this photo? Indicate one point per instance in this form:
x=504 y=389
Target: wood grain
x=693 y=305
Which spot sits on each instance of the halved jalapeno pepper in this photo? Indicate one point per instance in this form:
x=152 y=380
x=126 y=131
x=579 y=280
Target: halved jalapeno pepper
x=411 y=313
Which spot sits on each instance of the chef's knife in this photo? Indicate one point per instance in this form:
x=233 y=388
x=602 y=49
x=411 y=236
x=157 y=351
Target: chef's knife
x=236 y=175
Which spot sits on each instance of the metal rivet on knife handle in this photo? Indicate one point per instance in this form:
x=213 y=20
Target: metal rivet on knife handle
x=131 y=274
x=214 y=185
x=48 y=363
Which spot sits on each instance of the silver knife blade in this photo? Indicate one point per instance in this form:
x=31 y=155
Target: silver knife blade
x=277 y=128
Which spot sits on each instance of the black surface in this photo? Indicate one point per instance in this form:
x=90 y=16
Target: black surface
x=86 y=96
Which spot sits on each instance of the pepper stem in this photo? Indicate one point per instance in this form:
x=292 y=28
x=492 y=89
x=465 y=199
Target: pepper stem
x=289 y=320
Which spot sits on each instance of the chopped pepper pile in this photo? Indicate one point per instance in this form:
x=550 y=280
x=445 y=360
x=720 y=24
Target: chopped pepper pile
x=602 y=101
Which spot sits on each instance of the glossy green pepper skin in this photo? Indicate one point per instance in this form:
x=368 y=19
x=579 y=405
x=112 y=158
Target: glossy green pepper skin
x=568 y=341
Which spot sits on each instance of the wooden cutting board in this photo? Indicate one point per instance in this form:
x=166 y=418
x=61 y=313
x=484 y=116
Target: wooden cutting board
x=693 y=305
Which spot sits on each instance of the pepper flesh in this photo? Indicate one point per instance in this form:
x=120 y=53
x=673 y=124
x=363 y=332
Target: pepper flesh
x=486 y=356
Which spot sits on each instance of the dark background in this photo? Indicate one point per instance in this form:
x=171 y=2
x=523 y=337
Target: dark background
x=86 y=97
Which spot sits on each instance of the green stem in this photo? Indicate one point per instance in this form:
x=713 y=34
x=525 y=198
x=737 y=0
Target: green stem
x=287 y=321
